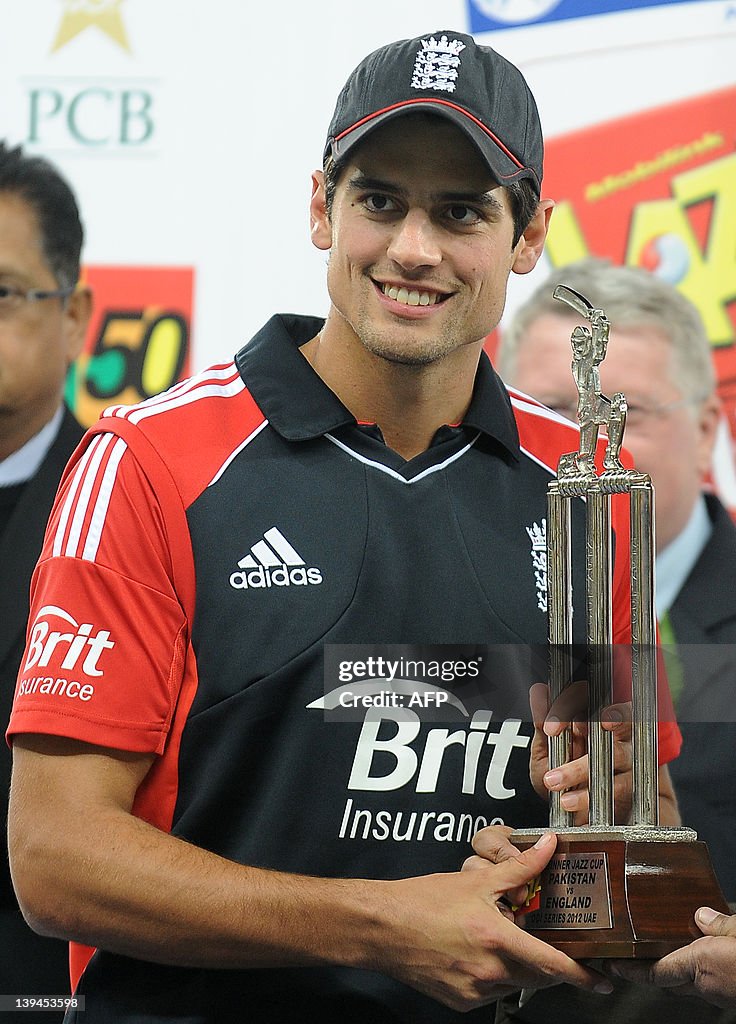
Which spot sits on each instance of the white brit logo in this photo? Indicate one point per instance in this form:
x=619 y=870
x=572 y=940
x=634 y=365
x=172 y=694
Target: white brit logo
x=538 y=537
x=77 y=648
x=436 y=65
x=273 y=562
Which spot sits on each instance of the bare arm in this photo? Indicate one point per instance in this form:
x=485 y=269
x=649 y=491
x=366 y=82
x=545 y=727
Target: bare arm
x=85 y=868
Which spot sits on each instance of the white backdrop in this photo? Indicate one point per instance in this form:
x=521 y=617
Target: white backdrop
x=193 y=143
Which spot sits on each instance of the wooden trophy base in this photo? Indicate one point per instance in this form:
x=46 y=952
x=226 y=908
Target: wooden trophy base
x=621 y=892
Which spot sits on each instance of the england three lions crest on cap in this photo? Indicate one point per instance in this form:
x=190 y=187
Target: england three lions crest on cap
x=437 y=64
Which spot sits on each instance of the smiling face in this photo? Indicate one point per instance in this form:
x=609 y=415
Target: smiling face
x=420 y=240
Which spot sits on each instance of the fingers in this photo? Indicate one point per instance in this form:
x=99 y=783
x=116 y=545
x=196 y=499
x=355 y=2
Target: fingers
x=521 y=868
x=513 y=898
x=567 y=776
x=492 y=844
x=530 y=962
x=513 y=875
x=617 y=716
x=704 y=968
x=541 y=965
x=539 y=703
x=711 y=922
x=474 y=864
x=571 y=706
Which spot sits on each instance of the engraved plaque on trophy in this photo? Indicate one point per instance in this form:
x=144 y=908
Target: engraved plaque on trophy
x=610 y=890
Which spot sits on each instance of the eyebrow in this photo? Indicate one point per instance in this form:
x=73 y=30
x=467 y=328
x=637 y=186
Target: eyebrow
x=486 y=200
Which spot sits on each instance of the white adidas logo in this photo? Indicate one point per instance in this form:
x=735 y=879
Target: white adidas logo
x=273 y=562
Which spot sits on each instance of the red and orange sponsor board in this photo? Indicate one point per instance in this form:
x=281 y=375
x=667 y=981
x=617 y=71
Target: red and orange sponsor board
x=658 y=190
x=139 y=337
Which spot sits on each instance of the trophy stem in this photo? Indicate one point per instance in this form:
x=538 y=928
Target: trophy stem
x=559 y=556
x=600 y=629
x=645 y=807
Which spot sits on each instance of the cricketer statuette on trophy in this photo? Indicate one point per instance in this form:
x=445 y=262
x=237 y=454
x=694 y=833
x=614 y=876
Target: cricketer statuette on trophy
x=610 y=890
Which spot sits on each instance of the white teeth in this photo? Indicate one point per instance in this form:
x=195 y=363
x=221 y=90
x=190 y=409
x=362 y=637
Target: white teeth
x=410 y=298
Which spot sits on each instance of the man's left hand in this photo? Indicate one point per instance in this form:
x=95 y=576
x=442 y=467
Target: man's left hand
x=571 y=779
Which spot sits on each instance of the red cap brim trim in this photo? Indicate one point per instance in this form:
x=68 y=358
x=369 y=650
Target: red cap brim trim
x=441 y=103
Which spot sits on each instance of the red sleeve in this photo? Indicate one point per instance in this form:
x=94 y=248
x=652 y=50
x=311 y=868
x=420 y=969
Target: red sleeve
x=108 y=633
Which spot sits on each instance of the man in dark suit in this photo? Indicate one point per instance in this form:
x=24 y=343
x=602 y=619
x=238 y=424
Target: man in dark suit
x=660 y=357
x=43 y=318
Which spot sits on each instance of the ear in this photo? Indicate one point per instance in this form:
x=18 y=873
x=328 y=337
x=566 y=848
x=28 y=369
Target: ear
x=708 y=416
x=77 y=312
x=319 y=221
x=529 y=247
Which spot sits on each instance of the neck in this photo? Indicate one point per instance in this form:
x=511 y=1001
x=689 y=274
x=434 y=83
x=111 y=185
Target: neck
x=408 y=402
x=16 y=431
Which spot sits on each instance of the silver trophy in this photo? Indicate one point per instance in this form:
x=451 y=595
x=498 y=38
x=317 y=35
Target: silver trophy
x=576 y=478
x=610 y=890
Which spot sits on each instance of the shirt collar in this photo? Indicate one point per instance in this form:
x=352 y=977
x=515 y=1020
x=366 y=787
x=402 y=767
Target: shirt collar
x=300 y=406
x=677 y=560
x=19 y=467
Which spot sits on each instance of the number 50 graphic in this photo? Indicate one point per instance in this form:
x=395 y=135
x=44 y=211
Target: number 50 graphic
x=138 y=342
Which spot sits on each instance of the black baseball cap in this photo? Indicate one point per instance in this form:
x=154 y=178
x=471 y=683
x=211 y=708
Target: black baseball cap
x=449 y=74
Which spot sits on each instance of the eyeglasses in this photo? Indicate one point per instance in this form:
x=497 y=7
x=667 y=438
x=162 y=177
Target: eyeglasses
x=11 y=299
x=636 y=415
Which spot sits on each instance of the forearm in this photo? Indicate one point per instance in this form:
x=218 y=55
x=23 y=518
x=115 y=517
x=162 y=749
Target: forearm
x=86 y=868
x=130 y=888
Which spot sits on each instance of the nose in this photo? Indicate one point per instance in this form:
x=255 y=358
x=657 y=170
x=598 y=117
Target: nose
x=414 y=242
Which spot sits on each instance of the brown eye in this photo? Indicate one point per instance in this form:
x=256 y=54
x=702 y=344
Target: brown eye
x=378 y=203
x=460 y=214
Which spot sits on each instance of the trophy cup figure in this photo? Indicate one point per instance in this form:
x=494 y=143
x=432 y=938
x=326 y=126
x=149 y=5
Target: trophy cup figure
x=610 y=890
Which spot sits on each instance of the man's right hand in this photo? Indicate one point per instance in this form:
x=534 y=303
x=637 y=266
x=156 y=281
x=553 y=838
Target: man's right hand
x=470 y=952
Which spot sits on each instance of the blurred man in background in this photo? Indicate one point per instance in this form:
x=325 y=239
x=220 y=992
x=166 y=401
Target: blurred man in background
x=43 y=318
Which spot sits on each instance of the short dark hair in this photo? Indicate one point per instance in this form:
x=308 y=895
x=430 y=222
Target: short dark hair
x=522 y=196
x=38 y=182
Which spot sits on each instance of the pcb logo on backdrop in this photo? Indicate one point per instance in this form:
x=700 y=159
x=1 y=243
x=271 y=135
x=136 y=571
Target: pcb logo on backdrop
x=87 y=105
x=79 y=15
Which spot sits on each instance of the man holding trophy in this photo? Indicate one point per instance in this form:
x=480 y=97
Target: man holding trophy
x=209 y=865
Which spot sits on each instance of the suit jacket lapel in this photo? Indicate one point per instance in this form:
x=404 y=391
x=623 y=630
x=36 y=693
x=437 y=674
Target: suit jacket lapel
x=23 y=537
x=704 y=621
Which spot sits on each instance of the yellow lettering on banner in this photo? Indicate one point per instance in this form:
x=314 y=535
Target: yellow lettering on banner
x=662 y=219
x=709 y=273
x=714 y=181
x=710 y=279
x=565 y=241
